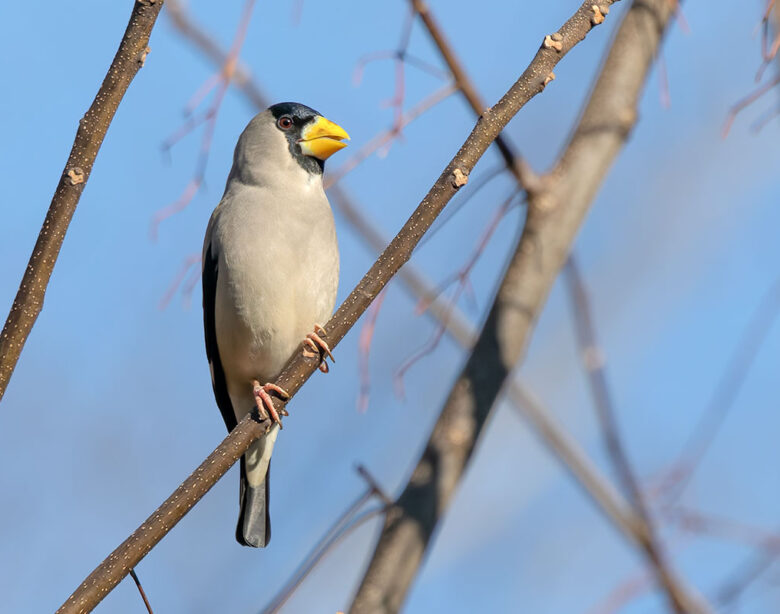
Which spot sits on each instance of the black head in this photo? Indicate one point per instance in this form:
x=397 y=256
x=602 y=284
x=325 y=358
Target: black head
x=302 y=124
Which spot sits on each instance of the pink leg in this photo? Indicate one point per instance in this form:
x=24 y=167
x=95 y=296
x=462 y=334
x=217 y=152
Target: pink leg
x=264 y=402
x=314 y=345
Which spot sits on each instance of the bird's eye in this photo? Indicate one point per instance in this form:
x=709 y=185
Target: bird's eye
x=285 y=122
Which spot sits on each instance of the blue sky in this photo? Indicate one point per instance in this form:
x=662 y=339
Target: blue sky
x=111 y=404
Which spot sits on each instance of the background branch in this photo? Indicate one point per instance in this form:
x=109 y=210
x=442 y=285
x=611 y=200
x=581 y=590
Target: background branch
x=593 y=360
x=89 y=137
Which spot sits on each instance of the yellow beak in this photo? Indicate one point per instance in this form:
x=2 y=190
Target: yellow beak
x=322 y=138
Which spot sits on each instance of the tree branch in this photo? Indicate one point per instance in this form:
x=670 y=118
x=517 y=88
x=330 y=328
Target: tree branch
x=92 y=130
x=556 y=208
x=593 y=361
x=108 y=574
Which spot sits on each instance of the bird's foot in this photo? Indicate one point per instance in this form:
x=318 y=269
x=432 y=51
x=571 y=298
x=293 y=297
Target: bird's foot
x=314 y=346
x=264 y=402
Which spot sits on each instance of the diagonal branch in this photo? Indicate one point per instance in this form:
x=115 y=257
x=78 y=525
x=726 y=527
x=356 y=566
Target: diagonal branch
x=556 y=207
x=92 y=130
x=108 y=574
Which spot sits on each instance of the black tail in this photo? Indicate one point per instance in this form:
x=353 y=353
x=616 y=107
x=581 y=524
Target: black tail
x=254 y=522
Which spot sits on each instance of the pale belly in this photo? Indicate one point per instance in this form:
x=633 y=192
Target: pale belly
x=267 y=301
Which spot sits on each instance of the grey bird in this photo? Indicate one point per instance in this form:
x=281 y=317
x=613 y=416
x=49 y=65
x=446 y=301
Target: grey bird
x=270 y=275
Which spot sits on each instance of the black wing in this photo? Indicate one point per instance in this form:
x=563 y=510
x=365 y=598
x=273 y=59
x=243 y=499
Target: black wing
x=210 y=270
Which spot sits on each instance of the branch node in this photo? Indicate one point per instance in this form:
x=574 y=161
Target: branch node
x=76 y=175
x=142 y=55
x=599 y=14
x=548 y=78
x=553 y=41
x=373 y=485
x=459 y=178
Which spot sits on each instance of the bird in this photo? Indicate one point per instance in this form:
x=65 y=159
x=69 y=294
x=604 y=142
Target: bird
x=270 y=276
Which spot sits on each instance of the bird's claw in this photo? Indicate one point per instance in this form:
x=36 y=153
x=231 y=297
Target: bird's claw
x=314 y=346
x=264 y=402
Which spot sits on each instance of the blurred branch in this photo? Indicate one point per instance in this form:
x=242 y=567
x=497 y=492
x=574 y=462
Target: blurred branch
x=594 y=363
x=620 y=596
x=89 y=137
x=108 y=574
x=770 y=30
x=678 y=476
x=695 y=521
x=384 y=138
x=740 y=579
x=345 y=524
x=241 y=77
x=220 y=83
x=556 y=208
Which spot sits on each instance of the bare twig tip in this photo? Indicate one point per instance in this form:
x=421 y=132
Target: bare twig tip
x=76 y=175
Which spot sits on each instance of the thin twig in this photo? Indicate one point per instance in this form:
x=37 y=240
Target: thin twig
x=516 y=165
x=742 y=577
x=221 y=82
x=677 y=478
x=345 y=524
x=320 y=549
x=594 y=363
x=385 y=138
x=768 y=51
x=695 y=521
x=623 y=594
x=141 y=590
x=746 y=102
x=462 y=277
x=92 y=130
x=181 y=20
